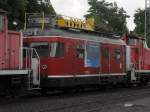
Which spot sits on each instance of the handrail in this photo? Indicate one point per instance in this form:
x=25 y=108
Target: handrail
x=30 y=53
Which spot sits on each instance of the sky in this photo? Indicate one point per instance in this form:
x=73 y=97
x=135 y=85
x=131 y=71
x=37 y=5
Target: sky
x=78 y=8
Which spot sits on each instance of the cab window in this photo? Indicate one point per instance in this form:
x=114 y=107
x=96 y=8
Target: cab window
x=1 y=22
x=57 y=49
x=42 y=48
x=132 y=41
x=105 y=52
x=25 y=44
x=80 y=51
x=117 y=54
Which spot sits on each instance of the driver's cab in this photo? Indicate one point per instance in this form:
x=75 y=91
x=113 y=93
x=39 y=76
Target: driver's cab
x=133 y=40
x=134 y=51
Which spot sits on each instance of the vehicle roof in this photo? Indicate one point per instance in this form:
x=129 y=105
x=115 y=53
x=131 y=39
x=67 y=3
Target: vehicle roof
x=78 y=35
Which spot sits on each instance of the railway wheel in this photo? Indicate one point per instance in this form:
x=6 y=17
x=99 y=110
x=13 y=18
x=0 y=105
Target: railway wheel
x=43 y=91
x=144 y=81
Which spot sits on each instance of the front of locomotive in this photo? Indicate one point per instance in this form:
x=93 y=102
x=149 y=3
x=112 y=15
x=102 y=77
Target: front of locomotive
x=49 y=50
x=41 y=49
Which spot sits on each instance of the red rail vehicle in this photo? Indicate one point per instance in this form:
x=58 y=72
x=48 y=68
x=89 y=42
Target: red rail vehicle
x=12 y=73
x=68 y=55
x=74 y=56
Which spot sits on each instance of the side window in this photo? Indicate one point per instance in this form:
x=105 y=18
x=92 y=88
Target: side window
x=117 y=54
x=131 y=41
x=105 y=52
x=57 y=49
x=42 y=48
x=1 y=22
x=80 y=51
x=53 y=47
x=25 y=44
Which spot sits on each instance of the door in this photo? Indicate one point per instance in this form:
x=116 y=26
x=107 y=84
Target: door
x=105 y=59
x=116 y=60
x=79 y=57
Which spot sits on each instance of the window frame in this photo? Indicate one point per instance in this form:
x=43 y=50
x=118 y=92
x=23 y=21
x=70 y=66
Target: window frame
x=105 y=52
x=117 y=52
x=41 y=56
x=80 y=51
x=57 y=54
x=132 y=41
x=52 y=53
x=1 y=23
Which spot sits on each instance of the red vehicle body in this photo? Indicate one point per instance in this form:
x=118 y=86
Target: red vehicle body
x=58 y=58
x=9 y=46
x=12 y=73
x=139 y=53
x=107 y=60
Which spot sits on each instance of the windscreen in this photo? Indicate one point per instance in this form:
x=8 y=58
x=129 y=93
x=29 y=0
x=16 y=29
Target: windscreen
x=51 y=49
x=42 y=48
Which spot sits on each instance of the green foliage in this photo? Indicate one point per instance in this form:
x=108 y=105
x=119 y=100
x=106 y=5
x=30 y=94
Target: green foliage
x=17 y=8
x=34 y=7
x=108 y=16
x=139 y=22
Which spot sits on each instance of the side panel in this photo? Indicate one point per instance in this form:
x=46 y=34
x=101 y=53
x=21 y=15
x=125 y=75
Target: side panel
x=3 y=46
x=146 y=59
x=60 y=65
x=113 y=59
x=14 y=50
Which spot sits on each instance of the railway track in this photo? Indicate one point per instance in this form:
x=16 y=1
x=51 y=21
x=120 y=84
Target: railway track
x=88 y=101
x=97 y=103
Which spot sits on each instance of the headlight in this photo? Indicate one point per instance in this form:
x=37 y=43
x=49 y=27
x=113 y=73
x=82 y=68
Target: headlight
x=44 y=67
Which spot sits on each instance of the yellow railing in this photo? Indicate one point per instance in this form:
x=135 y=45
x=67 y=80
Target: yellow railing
x=69 y=22
x=64 y=22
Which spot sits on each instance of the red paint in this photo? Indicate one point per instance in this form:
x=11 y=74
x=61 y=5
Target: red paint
x=71 y=65
x=9 y=46
x=139 y=53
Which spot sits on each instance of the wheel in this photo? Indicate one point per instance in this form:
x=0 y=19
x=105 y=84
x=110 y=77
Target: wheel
x=144 y=81
x=43 y=91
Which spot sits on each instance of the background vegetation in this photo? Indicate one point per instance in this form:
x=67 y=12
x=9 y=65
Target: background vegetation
x=17 y=8
x=108 y=16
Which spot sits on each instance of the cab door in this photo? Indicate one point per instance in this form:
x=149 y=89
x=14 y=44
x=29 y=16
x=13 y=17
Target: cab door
x=105 y=59
x=116 y=60
x=79 y=57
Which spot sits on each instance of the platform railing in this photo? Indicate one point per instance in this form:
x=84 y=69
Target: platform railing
x=30 y=55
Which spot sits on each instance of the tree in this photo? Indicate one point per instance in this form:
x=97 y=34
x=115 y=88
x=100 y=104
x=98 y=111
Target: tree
x=108 y=17
x=33 y=6
x=17 y=8
x=139 y=20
